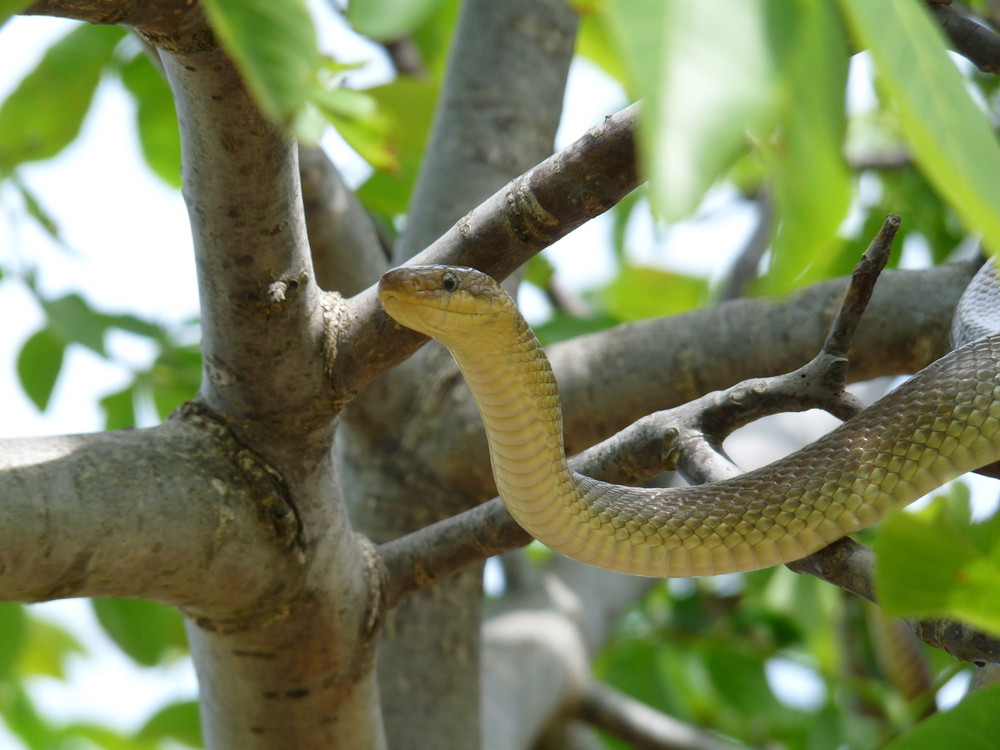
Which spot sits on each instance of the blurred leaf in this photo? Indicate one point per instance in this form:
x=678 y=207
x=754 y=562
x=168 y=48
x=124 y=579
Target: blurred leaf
x=38 y=365
x=951 y=139
x=178 y=721
x=812 y=184
x=385 y=20
x=46 y=648
x=13 y=632
x=637 y=28
x=433 y=39
x=408 y=104
x=274 y=44
x=74 y=321
x=973 y=724
x=539 y=271
x=595 y=41
x=21 y=717
x=156 y=118
x=356 y=117
x=44 y=113
x=388 y=195
x=119 y=409
x=35 y=209
x=174 y=378
x=709 y=72
x=956 y=561
x=146 y=631
x=9 y=8
x=136 y=325
x=562 y=326
x=639 y=292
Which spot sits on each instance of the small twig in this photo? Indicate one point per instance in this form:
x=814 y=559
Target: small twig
x=641 y=726
x=977 y=43
x=859 y=292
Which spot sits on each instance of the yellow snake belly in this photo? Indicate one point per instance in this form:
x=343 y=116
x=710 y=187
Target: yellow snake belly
x=942 y=422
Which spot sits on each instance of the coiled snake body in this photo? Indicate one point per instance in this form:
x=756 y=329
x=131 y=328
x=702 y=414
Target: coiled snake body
x=942 y=422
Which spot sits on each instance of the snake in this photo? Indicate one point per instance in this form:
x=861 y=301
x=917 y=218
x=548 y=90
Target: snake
x=940 y=423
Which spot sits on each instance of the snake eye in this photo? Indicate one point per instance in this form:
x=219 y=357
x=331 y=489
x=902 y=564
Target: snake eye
x=449 y=282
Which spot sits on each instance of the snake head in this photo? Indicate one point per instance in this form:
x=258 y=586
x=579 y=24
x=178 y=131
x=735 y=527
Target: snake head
x=443 y=301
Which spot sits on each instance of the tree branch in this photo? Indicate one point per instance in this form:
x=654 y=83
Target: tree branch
x=347 y=252
x=262 y=318
x=644 y=728
x=165 y=514
x=530 y=213
x=977 y=43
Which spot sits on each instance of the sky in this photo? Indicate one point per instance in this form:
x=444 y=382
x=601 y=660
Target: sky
x=130 y=252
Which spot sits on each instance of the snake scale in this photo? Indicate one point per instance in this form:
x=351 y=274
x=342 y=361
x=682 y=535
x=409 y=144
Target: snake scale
x=942 y=422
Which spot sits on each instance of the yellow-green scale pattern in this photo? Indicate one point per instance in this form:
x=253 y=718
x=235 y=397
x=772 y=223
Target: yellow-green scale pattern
x=939 y=424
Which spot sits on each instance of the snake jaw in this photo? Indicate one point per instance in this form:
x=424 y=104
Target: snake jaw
x=442 y=301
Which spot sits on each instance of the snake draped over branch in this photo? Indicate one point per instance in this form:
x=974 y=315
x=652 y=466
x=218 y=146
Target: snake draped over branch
x=941 y=423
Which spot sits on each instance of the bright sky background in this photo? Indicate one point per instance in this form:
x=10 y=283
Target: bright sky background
x=130 y=252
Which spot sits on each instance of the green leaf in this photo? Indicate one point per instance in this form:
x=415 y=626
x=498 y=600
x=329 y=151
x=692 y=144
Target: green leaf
x=156 y=118
x=950 y=137
x=146 y=631
x=38 y=365
x=178 y=721
x=46 y=648
x=174 y=378
x=119 y=409
x=44 y=113
x=274 y=44
x=955 y=561
x=595 y=41
x=74 y=321
x=35 y=209
x=21 y=717
x=356 y=117
x=9 y=8
x=385 y=20
x=971 y=725
x=812 y=184
x=709 y=70
x=639 y=292
x=13 y=632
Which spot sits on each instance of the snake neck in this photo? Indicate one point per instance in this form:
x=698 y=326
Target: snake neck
x=516 y=392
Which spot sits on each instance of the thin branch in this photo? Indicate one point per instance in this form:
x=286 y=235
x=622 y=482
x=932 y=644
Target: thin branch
x=977 y=43
x=643 y=727
x=529 y=214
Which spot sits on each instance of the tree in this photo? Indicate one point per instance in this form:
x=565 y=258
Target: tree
x=320 y=511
